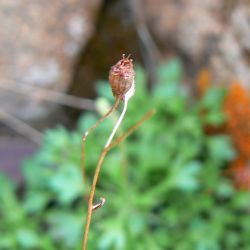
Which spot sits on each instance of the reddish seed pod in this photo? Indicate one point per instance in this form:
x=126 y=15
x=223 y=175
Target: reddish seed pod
x=122 y=76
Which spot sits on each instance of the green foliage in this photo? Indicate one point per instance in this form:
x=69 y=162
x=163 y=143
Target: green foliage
x=164 y=185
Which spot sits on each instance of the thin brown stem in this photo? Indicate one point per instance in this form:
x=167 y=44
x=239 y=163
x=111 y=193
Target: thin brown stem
x=97 y=171
x=91 y=197
x=91 y=129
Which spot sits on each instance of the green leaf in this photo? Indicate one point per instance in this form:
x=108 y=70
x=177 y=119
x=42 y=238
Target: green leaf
x=7 y=189
x=215 y=117
x=86 y=121
x=112 y=239
x=104 y=90
x=213 y=98
x=36 y=201
x=67 y=184
x=66 y=228
x=220 y=148
x=186 y=178
x=225 y=189
x=27 y=239
x=170 y=72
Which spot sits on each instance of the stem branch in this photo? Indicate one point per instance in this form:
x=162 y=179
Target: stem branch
x=91 y=129
x=98 y=168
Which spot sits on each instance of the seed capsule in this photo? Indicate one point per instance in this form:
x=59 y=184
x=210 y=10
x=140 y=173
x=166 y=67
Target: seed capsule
x=122 y=77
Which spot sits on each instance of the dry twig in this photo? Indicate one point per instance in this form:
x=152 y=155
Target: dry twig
x=50 y=95
x=21 y=127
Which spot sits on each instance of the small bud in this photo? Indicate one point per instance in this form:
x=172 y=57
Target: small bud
x=122 y=77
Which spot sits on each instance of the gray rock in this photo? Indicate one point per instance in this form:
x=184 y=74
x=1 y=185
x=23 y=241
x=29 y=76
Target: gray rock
x=39 y=42
x=211 y=32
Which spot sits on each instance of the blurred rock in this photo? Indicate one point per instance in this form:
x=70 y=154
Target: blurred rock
x=39 y=43
x=189 y=26
x=231 y=60
x=211 y=32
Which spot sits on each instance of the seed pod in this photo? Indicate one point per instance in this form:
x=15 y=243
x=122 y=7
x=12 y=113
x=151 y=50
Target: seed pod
x=122 y=77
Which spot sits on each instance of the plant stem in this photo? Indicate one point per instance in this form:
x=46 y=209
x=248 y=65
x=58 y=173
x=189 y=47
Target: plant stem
x=98 y=168
x=91 y=196
x=91 y=129
x=117 y=124
x=97 y=171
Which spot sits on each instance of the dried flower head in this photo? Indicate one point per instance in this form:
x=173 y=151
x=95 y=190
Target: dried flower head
x=122 y=77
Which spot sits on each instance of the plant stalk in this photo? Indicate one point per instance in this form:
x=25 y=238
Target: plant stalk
x=98 y=168
x=117 y=102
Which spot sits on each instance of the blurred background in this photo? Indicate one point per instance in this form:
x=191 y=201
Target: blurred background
x=182 y=180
